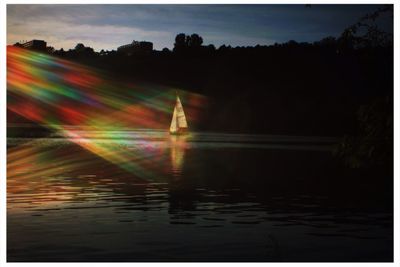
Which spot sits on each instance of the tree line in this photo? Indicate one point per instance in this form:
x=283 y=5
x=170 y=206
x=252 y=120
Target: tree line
x=332 y=87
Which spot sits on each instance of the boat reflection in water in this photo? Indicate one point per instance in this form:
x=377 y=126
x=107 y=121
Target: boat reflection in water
x=150 y=196
x=178 y=147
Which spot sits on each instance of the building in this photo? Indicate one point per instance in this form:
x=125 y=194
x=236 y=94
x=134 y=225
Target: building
x=136 y=48
x=34 y=45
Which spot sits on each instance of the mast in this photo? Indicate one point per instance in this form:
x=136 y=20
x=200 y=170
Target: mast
x=174 y=123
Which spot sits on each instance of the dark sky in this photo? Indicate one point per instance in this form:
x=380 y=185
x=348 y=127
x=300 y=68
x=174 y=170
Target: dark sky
x=109 y=26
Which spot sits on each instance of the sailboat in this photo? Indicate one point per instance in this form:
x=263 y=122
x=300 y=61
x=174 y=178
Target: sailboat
x=178 y=123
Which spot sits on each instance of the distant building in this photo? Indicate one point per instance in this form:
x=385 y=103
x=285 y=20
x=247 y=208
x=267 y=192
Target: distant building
x=37 y=45
x=136 y=48
x=34 y=45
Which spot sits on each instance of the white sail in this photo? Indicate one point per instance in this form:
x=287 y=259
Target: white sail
x=173 y=128
x=180 y=114
x=178 y=118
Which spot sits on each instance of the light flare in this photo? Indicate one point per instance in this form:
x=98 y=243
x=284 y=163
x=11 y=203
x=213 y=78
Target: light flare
x=69 y=98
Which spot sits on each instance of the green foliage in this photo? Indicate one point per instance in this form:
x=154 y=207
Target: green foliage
x=373 y=146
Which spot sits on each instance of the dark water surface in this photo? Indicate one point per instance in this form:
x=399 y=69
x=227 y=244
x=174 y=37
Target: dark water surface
x=147 y=196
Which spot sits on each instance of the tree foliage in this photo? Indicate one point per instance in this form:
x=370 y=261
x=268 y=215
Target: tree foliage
x=366 y=31
x=373 y=145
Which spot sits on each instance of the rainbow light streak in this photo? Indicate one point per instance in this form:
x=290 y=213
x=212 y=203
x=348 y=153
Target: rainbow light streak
x=34 y=172
x=70 y=98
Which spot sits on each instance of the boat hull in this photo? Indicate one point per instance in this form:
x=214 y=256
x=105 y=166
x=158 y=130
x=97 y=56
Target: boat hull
x=180 y=131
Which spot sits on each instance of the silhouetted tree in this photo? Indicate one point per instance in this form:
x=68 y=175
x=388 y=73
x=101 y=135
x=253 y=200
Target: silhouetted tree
x=373 y=146
x=50 y=49
x=180 y=42
x=366 y=32
x=194 y=41
x=79 y=47
x=81 y=50
x=223 y=48
x=60 y=52
x=188 y=43
x=327 y=41
x=291 y=43
x=211 y=48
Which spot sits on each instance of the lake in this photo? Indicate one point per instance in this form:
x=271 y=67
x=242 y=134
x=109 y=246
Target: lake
x=143 y=195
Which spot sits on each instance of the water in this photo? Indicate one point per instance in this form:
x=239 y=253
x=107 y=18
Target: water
x=144 y=195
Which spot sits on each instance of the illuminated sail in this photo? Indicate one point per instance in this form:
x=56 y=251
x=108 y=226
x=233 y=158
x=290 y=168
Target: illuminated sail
x=173 y=128
x=178 y=123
